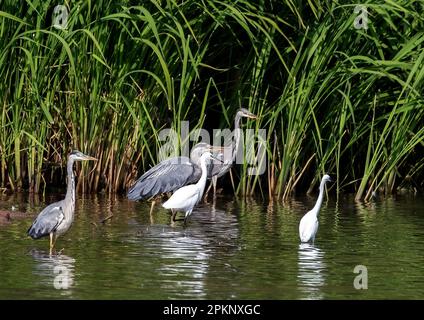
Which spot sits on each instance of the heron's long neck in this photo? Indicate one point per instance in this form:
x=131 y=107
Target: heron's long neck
x=70 y=189
x=237 y=137
x=320 y=198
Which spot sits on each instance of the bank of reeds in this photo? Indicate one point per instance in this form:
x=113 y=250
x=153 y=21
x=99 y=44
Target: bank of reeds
x=333 y=98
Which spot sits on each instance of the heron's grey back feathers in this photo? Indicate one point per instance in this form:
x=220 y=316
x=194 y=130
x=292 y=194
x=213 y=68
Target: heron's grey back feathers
x=167 y=176
x=47 y=221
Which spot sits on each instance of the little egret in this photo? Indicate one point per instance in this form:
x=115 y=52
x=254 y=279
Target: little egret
x=185 y=198
x=170 y=175
x=57 y=217
x=174 y=173
x=308 y=226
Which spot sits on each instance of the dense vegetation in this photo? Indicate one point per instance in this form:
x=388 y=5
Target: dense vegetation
x=333 y=98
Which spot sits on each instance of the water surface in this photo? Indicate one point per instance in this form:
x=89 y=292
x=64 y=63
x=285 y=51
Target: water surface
x=231 y=249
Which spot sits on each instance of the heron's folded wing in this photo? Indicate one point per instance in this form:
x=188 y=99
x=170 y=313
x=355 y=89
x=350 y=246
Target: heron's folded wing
x=167 y=176
x=216 y=168
x=47 y=221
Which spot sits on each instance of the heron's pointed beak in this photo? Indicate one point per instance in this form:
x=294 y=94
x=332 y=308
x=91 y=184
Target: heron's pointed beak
x=216 y=158
x=216 y=149
x=253 y=116
x=89 y=158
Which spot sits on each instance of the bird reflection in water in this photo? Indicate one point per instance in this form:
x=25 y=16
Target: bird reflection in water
x=311 y=271
x=55 y=270
x=186 y=254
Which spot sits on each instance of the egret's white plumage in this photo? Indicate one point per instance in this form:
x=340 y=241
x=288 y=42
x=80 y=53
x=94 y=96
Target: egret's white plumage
x=185 y=198
x=308 y=226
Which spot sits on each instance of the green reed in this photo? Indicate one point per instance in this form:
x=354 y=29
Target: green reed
x=332 y=98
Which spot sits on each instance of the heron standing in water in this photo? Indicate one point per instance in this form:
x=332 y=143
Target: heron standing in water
x=308 y=226
x=170 y=175
x=57 y=217
x=185 y=198
x=174 y=173
x=218 y=169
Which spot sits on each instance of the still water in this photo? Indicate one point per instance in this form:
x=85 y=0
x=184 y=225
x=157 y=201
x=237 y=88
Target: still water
x=231 y=249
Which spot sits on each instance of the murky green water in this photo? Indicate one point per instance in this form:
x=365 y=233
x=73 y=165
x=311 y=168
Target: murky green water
x=230 y=250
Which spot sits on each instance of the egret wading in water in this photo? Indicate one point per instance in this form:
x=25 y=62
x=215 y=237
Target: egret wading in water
x=185 y=198
x=217 y=169
x=57 y=217
x=308 y=226
x=174 y=173
x=170 y=175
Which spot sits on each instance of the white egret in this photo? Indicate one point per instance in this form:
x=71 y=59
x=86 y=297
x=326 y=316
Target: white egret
x=308 y=226
x=173 y=173
x=185 y=198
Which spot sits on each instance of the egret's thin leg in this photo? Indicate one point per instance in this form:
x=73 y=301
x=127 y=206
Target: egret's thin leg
x=188 y=213
x=174 y=213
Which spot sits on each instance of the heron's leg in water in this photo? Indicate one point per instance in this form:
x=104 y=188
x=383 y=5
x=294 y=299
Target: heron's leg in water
x=151 y=211
x=52 y=241
x=205 y=197
x=214 y=182
x=152 y=206
x=232 y=180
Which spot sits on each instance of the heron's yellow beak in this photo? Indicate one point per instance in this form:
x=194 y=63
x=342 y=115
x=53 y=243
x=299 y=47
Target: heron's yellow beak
x=216 y=149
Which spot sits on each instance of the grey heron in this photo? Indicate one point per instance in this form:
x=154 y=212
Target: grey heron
x=174 y=173
x=308 y=226
x=57 y=217
x=217 y=169
x=185 y=198
x=170 y=174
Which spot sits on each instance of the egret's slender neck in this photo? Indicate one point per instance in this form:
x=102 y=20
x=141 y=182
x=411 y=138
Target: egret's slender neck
x=204 y=175
x=320 y=198
x=70 y=189
x=202 y=181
